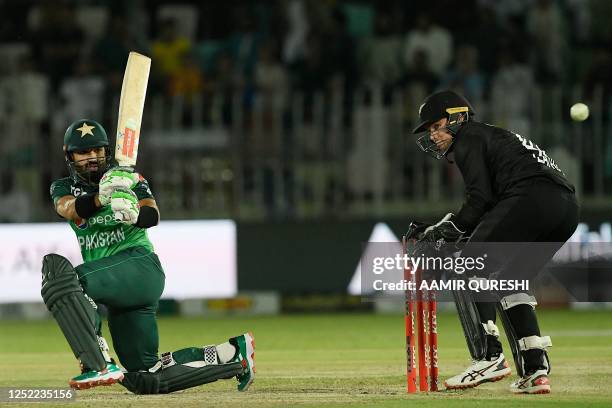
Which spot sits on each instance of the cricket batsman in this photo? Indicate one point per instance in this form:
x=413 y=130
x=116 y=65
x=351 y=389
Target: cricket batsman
x=110 y=209
x=515 y=193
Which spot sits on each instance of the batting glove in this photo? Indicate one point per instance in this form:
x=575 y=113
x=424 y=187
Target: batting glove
x=114 y=179
x=124 y=204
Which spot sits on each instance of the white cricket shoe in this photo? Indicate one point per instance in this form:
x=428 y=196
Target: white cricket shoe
x=479 y=372
x=536 y=383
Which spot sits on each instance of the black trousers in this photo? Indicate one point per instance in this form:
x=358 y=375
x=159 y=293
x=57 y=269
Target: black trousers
x=532 y=223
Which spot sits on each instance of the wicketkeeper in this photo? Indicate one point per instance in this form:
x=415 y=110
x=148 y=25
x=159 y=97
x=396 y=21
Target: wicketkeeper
x=515 y=194
x=110 y=209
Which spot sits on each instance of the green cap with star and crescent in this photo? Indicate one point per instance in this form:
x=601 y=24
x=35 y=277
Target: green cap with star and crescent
x=84 y=134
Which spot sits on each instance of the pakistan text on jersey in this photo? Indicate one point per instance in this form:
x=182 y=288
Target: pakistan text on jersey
x=101 y=239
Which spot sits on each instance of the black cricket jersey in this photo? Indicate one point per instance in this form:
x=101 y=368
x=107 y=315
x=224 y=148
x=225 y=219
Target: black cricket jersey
x=492 y=162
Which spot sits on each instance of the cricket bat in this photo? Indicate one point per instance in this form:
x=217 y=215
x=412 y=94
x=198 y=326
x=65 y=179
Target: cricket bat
x=131 y=105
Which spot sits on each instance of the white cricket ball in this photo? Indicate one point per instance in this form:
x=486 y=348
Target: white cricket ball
x=579 y=112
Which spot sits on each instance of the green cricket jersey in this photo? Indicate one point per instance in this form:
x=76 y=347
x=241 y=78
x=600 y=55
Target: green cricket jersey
x=100 y=236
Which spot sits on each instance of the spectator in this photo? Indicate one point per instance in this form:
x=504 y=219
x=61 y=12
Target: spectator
x=188 y=81
x=434 y=41
x=420 y=75
x=465 y=76
x=294 y=47
x=380 y=54
x=58 y=41
x=168 y=52
x=580 y=14
x=312 y=73
x=511 y=104
x=418 y=82
x=15 y=204
x=341 y=51
x=599 y=74
x=599 y=79
x=243 y=43
x=82 y=94
x=24 y=114
x=270 y=75
x=112 y=51
x=227 y=82
x=546 y=25
x=601 y=13
x=487 y=36
x=24 y=95
x=186 y=86
x=506 y=10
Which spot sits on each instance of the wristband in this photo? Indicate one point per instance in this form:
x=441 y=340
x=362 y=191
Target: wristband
x=85 y=205
x=148 y=217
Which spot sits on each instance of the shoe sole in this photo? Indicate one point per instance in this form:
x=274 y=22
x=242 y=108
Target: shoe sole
x=476 y=384
x=541 y=389
x=250 y=352
x=95 y=383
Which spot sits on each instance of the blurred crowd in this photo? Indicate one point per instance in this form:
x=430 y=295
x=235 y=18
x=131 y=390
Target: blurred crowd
x=480 y=47
x=70 y=55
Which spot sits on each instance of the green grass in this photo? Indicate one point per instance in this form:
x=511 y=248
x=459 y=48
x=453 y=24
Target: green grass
x=331 y=360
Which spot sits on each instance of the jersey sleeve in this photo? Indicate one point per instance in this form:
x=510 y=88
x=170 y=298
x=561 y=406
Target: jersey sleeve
x=470 y=156
x=142 y=189
x=60 y=188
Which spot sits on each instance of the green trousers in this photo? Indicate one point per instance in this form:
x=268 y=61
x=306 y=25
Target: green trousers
x=129 y=284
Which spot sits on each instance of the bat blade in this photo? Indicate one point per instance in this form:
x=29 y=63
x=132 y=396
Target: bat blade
x=131 y=105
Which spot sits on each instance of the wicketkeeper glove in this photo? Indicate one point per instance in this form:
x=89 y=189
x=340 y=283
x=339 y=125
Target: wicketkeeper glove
x=445 y=231
x=114 y=179
x=124 y=204
x=416 y=230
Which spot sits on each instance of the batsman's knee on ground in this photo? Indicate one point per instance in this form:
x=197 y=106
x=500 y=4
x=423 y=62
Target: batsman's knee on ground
x=182 y=369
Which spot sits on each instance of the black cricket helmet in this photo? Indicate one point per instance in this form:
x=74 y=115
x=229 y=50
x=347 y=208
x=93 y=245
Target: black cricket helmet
x=82 y=136
x=443 y=104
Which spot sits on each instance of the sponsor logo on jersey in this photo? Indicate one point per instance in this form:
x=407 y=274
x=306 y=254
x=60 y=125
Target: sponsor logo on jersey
x=101 y=239
x=106 y=219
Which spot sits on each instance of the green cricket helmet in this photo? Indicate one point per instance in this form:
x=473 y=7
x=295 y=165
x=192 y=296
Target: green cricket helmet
x=80 y=137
